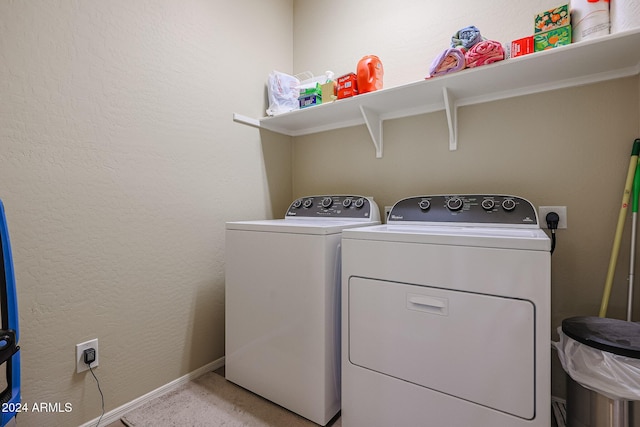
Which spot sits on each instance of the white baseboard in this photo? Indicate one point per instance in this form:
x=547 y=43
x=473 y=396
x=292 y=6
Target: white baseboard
x=117 y=413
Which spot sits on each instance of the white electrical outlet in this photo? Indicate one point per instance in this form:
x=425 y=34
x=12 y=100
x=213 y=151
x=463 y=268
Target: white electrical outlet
x=80 y=348
x=560 y=210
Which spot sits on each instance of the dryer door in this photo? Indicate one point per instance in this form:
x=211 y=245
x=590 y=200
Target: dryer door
x=472 y=346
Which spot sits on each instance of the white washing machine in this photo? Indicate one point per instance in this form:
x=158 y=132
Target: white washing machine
x=446 y=316
x=282 y=302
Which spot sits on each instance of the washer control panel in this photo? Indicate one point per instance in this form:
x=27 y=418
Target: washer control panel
x=335 y=206
x=473 y=209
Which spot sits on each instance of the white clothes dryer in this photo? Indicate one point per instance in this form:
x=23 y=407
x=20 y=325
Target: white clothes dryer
x=282 y=302
x=446 y=316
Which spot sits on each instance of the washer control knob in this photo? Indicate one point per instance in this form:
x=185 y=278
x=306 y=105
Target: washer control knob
x=347 y=202
x=296 y=204
x=488 y=204
x=308 y=203
x=326 y=202
x=359 y=202
x=508 y=205
x=424 y=205
x=455 y=204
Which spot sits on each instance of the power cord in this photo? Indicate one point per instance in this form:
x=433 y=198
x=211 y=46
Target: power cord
x=89 y=356
x=552 y=224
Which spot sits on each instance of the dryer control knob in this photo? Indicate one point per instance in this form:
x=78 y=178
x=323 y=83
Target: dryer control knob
x=455 y=204
x=488 y=204
x=326 y=202
x=424 y=205
x=508 y=204
x=347 y=202
x=359 y=203
x=296 y=204
x=308 y=203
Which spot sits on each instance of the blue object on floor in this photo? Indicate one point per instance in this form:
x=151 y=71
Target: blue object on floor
x=9 y=350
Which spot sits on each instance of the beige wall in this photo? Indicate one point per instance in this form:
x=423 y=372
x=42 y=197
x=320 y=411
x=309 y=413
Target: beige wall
x=568 y=147
x=119 y=165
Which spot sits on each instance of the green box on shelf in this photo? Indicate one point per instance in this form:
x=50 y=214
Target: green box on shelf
x=309 y=100
x=554 y=38
x=551 y=19
x=310 y=96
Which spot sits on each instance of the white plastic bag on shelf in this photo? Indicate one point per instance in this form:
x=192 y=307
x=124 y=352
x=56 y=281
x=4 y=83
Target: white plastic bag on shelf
x=613 y=376
x=283 y=91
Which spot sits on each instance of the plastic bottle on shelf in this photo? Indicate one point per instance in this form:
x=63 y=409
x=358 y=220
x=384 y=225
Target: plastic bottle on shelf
x=369 y=74
x=329 y=88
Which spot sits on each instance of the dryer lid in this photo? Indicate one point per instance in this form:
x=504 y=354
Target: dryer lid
x=485 y=237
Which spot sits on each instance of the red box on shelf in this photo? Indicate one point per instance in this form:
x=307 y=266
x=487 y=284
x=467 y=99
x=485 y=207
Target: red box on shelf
x=347 y=86
x=522 y=46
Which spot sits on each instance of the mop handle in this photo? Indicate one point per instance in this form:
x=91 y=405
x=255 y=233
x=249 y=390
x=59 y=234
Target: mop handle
x=633 y=163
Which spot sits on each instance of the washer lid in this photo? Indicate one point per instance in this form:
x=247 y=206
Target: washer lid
x=329 y=214
x=298 y=225
x=488 y=237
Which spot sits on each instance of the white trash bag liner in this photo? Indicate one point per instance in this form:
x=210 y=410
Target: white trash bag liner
x=611 y=375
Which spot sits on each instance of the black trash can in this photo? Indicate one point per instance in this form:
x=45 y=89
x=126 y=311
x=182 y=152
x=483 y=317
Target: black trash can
x=588 y=408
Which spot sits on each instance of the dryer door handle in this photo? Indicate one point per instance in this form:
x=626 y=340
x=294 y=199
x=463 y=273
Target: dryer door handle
x=429 y=301
x=428 y=304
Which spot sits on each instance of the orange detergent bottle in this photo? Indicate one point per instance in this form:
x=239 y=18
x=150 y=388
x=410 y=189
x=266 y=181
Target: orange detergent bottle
x=369 y=74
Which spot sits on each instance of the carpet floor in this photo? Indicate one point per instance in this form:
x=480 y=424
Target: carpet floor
x=209 y=401
x=212 y=401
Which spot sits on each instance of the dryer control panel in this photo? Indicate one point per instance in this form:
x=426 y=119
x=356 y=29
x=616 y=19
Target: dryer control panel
x=466 y=209
x=334 y=206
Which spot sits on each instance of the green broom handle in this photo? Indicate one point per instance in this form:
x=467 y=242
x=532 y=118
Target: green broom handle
x=632 y=252
x=633 y=164
x=636 y=188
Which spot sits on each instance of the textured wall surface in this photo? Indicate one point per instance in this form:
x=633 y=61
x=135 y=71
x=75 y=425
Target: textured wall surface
x=567 y=147
x=119 y=164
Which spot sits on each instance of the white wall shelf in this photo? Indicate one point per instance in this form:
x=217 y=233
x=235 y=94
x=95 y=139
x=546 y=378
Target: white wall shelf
x=605 y=58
